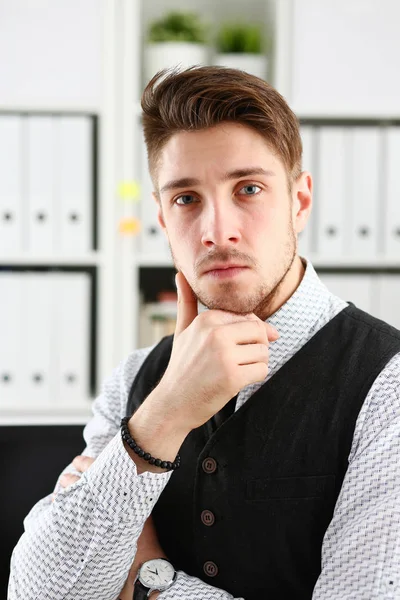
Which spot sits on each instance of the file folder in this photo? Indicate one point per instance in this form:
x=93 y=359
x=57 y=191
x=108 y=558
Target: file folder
x=363 y=198
x=392 y=207
x=305 y=237
x=11 y=181
x=37 y=332
x=40 y=184
x=74 y=184
x=71 y=303
x=332 y=191
x=11 y=294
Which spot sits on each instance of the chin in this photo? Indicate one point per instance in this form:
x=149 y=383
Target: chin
x=240 y=306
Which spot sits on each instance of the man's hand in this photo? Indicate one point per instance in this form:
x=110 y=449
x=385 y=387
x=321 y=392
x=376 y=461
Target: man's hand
x=215 y=354
x=148 y=546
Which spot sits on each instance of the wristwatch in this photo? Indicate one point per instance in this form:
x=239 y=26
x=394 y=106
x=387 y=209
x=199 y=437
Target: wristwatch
x=154 y=575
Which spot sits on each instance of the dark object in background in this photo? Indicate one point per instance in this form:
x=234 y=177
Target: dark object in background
x=32 y=457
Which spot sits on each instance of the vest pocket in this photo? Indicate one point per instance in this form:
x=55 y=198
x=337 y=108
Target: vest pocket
x=299 y=487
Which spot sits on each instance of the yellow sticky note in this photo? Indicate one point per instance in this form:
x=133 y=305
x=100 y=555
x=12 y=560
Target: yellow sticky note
x=129 y=226
x=129 y=190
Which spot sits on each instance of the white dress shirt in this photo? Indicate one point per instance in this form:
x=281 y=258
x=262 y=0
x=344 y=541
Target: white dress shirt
x=82 y=545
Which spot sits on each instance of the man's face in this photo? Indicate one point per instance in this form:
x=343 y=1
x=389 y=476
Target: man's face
x=224 y=199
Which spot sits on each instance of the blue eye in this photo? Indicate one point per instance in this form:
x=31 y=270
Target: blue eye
x=250 y=187
x=184 y=199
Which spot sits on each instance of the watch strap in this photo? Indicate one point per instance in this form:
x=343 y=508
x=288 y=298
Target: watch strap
x=140 y=591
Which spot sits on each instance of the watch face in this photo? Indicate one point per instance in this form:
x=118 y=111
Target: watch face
x=156 y=573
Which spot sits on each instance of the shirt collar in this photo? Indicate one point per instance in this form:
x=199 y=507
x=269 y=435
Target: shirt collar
x=309 y=308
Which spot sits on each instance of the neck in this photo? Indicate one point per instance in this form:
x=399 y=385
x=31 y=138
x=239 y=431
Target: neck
x=286 y=288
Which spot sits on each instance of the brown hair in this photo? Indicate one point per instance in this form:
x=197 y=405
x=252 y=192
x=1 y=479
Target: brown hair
x=202 y=97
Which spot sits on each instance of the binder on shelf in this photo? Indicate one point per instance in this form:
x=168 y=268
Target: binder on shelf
x=152 y=239
x=11 y=294
x=362 y=214
x=37 y=332
x=332 y=190
x=41 y=183
x=71 y=310
x=11 y=181
x=74 y=184
x=388 y=294
x=392 y=212
x=356 y=288
x=306 y=236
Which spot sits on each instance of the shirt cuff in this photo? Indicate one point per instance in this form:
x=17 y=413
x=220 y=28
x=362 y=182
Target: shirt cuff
x=116 y=486
x=187 y=587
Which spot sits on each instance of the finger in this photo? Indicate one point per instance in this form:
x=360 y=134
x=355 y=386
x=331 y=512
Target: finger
x=82 y=463
x=67 y=479
x=187 y=309
x=253 y=373
x=250 y=332
x=273 y=334
x=223 y=317
x=250 y=354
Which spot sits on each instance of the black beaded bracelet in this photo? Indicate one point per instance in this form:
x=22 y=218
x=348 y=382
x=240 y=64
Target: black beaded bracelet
x=164 y=464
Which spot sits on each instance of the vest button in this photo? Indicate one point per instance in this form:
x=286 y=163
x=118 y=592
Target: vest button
x=210 y=568
x=209 y=465
x=207 y=518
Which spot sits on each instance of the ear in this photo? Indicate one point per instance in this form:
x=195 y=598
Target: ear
x=302 y=200
x=160 y=216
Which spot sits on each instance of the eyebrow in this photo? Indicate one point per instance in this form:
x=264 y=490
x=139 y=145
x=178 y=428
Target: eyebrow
x=236 y=174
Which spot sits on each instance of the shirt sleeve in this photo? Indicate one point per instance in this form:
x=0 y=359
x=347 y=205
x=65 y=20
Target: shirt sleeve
x=192 y=588
x=82 y=545
x=361 y=548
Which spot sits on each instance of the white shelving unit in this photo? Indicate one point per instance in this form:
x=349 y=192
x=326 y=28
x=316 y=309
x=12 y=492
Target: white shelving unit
x=119 y=257
x=100 y=27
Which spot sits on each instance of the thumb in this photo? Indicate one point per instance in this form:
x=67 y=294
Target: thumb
x=187 y=304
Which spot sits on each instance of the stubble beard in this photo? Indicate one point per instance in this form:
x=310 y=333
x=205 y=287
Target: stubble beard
x=259 y=301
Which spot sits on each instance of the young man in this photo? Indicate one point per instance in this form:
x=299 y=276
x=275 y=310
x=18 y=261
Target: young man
x=282 y=400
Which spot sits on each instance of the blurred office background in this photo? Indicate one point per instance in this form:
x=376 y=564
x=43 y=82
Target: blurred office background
x=85 y=273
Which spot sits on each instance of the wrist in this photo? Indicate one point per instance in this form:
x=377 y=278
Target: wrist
x=155 y=434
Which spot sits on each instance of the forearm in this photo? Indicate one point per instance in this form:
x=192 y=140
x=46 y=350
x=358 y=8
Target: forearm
x=185 y=587
x=69 y=548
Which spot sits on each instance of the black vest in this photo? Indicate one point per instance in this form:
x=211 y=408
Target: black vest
x=277 y=464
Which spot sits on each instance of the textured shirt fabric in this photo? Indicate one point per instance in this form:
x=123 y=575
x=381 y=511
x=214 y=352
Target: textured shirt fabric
x=82 y=545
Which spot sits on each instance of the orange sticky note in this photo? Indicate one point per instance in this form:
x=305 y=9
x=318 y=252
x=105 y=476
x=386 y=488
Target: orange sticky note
x=129 y=226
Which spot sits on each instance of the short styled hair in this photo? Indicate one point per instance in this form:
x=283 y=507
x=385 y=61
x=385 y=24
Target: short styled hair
x=201 y=97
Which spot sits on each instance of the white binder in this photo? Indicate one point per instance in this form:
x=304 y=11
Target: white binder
x=37 y=332
x=331 y=199
x=306 y=236
x=388 y=294
x=356 y=288
x=71 y=303
x=152 y=239
x=392 y=212
x=41 y=184
x=11 y=294
x=74 y=184
x=11 y=180
x=363 y=199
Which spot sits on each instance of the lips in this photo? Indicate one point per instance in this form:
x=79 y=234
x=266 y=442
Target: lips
x=223 y=266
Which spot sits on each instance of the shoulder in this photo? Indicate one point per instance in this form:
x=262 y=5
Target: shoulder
x=380 y=413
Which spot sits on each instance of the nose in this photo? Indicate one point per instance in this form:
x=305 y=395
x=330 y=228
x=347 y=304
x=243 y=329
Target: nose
x=220 y=226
